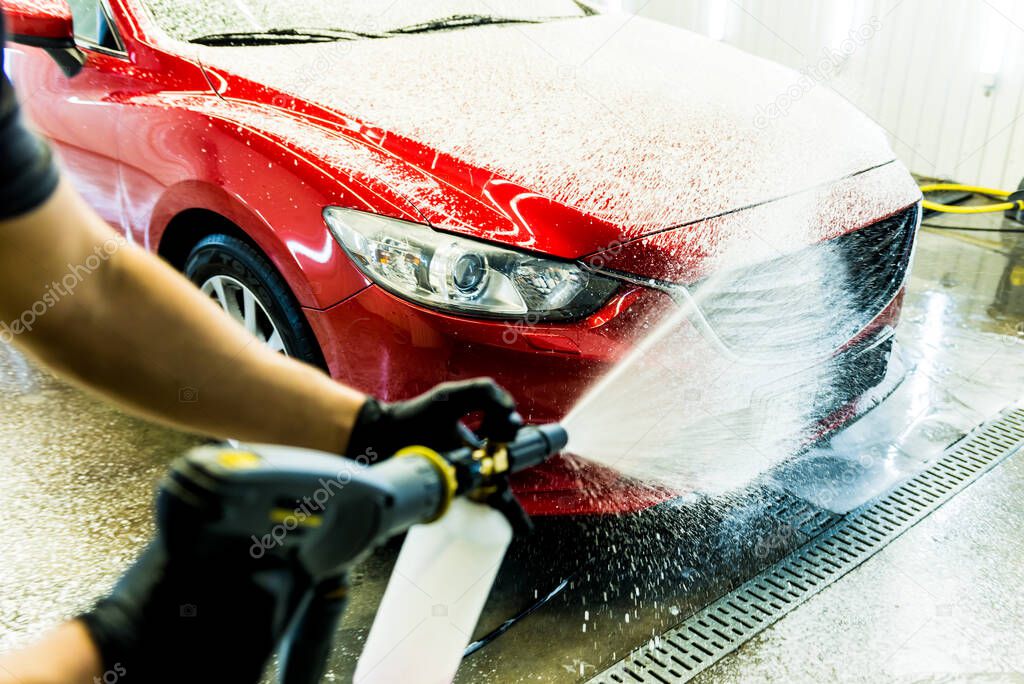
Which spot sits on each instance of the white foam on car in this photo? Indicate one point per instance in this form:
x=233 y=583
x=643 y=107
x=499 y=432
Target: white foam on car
x=641 y=124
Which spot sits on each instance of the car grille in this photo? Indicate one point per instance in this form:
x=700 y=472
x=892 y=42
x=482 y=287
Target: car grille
x=811 y=302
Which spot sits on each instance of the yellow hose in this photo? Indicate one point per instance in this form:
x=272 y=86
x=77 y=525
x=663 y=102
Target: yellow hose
x=979 y=209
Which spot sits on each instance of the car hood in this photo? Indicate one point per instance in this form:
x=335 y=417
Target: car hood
x=629 y=122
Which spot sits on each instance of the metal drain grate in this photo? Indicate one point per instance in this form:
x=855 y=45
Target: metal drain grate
x=724 y=625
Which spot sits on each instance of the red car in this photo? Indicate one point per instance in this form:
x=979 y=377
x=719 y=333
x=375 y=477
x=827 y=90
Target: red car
x=406 y=193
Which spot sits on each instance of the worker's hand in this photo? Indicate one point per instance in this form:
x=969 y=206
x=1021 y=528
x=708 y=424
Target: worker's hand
x=432 y=419
x=195 y=614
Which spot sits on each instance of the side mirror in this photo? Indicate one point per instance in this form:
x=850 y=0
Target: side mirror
x=45 y=24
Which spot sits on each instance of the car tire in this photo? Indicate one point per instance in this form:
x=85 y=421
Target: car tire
x=224 y=267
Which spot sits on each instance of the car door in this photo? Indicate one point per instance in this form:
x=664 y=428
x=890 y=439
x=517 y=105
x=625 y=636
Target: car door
x=80 y=114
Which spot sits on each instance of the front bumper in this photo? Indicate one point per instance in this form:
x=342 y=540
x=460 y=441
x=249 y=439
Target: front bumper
x=392 y=349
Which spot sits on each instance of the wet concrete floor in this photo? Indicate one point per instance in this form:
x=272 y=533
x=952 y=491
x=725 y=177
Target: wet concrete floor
x=76 y=481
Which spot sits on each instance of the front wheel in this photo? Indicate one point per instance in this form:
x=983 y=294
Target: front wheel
x=243 y=283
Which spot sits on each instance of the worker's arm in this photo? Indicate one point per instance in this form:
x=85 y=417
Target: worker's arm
x=119 y=321
x=133 y=329
x=66 y=655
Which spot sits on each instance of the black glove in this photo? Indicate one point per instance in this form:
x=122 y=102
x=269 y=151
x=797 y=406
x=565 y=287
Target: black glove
x=190 y=611
x=433 y=419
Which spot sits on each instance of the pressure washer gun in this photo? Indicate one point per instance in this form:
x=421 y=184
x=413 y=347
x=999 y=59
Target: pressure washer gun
x=317 y=515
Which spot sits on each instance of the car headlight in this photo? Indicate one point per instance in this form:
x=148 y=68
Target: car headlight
x=456 y=274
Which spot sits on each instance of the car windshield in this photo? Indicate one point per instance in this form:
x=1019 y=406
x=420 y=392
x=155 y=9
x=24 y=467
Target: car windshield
x=192 y=19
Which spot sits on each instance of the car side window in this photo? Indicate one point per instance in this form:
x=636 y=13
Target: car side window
x=93 y=26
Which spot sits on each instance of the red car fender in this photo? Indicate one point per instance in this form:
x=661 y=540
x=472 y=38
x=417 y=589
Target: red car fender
x=209 y=154
x=290 y=254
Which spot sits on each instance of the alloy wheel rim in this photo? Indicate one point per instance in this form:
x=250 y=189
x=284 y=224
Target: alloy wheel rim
x=244 y=306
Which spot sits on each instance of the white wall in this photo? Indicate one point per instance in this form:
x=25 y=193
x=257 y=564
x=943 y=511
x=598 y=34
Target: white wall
x=944 y=77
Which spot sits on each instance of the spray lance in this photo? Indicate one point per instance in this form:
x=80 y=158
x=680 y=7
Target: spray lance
x=308 y=517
